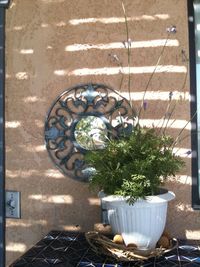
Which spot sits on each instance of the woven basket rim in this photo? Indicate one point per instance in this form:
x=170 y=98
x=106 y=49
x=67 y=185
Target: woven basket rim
x=103 y=245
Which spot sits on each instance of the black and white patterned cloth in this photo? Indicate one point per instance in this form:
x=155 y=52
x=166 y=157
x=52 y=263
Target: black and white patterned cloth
x=70 y=249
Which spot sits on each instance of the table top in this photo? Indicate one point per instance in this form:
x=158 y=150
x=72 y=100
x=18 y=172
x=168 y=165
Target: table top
x=71 y=249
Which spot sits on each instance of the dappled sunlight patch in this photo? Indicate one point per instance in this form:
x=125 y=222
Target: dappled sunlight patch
x=126 y=70
x=184 y=179
x=44 y=25
x=60 y=72
x=39 y=148
x=26 y=51
x=19 y=27
x=21 y=173
x=25 y=223
x=156 y=95
x=22 y=75
x=51 y=173
x=8 y=149
x=33 y=99
x=182 y=152
x=120 y=45
x=16 y=247
x=54 y=174
x=111 y=20
x=174 y=124
x=60 y=24
x=39 y=123
x=12 y=4
x=71 y=227
x=192 y=234
x=52 y=1
x=184 y=207
x=12 y=124
x=32 y=148
x=56 y=199
x=93 y=201
x=8 y=76
x=12 y=174
x=57 y=24
x=49 y=47
x=181 y=179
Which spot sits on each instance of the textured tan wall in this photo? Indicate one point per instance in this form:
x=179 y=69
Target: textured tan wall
x=40 y=67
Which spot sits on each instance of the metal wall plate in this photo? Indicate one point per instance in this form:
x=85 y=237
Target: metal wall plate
x=13 y=204
x=83 y=118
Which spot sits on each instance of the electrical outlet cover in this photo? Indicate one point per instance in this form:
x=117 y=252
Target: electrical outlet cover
x=12 y=203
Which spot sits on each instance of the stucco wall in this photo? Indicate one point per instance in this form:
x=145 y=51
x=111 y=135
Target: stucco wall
x=41 y=62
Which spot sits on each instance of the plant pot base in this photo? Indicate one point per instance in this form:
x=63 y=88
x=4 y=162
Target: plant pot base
x=142 y=223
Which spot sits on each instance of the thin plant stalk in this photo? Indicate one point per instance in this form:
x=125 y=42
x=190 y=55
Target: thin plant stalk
x=180 y=140
x=167 y=110
x=150 y=78
x=169 y=117
x=166 y=114
x=152 y=74
x=181 y=131
x=121 y=82
x=128 y=52
x=119 y=63
x=184 y=82
x=184 y=137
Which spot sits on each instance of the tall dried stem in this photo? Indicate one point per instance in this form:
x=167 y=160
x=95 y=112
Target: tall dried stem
x=152 y=74
x=128 y=43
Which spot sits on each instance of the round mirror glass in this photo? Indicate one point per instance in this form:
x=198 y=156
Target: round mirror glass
x=91 y=133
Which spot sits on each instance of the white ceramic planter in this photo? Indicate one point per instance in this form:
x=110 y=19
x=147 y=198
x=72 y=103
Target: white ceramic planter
x=141 y=223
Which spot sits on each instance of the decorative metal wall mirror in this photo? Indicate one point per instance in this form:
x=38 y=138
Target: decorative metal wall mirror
x=83 y=118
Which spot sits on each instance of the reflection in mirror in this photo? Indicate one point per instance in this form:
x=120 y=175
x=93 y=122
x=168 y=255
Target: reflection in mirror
x=91 y=133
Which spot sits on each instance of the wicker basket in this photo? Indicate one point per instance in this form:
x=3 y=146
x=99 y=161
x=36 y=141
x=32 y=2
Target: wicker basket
x=105 y=246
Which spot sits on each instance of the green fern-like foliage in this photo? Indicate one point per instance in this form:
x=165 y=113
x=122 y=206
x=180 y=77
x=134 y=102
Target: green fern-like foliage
x=135 y=166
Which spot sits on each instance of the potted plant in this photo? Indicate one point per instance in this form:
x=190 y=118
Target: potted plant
x=130 y=171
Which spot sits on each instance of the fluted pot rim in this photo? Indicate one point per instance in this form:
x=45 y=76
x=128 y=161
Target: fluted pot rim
x=164 y=196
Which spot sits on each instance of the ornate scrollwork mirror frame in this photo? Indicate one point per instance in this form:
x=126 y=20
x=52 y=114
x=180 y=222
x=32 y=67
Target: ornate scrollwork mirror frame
x=65 y=116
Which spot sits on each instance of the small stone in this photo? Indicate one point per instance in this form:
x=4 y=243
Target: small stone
x=101 y=228
x=167 y=234
x=131 y=245
x=118 y=239
x=163 y=242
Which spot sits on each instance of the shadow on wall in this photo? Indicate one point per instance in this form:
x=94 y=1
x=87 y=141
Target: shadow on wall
x=180 y=210
x=53 y=45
